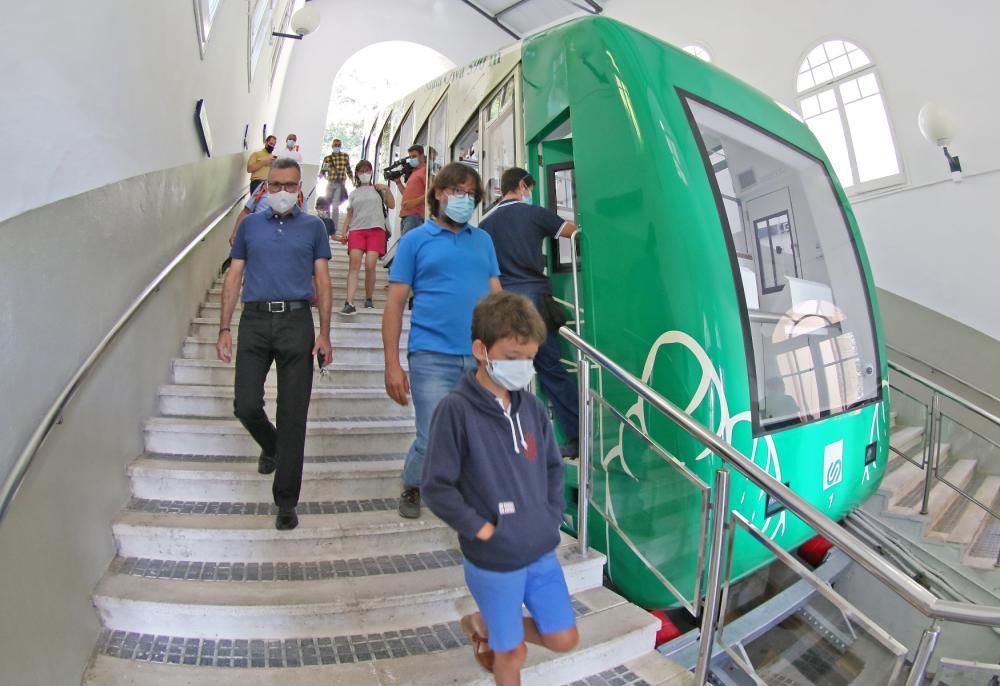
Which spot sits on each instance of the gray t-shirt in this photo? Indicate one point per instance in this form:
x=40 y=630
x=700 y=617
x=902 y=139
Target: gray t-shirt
x=366 y=206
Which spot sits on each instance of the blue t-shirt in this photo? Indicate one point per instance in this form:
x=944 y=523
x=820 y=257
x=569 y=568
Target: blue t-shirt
x=449 y=273
x=518 y=231
x=280 y=253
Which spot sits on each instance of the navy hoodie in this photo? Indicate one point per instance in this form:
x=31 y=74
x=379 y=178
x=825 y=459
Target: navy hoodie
x=485 y=464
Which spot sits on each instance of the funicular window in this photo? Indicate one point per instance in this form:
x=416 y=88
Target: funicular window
x=384 y=145
x=811 y=348
x=437 y=133
x=466 y=147
x=499 y=140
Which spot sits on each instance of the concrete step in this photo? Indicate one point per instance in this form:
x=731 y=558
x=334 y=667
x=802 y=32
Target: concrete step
x=972 y=517
x=253 y=538
x=892 y=419
x=984 y=551
x=904 y=439
x=941 y=496
x=910 y=491
x=346 y=353
x=194 y=436
x=164 y=479
x=339 y=375
x=326 y=403
x=901 y=480
x=617 y=634
x=288 y=609
x=364 y=326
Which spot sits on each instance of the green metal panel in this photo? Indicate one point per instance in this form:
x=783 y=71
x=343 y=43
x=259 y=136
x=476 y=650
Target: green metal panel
x=660 y=297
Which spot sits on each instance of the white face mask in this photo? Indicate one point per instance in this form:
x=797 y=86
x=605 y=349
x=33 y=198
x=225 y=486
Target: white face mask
x=514 y=375
x=282 y=201
x=364 y=178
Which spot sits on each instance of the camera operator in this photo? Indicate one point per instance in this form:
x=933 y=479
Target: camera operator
x=411 y=212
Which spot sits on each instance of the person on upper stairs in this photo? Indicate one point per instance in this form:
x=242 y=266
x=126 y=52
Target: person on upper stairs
x=494 y=474
x=411 y=211
x=281 y=253
x=291 y=149
x=367 y=209
x=336 y=169
x=260 y=162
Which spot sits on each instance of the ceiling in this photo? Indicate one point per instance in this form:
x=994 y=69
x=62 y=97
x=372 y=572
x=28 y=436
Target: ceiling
x=522 y=17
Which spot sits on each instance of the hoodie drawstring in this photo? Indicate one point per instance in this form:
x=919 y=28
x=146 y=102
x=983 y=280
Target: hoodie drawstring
x=518 y=445
x=524 y=443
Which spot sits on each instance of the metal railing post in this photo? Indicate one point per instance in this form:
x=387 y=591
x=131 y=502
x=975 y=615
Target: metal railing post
x=925 y=651
x=713 y=593
x=930 y=453
x=583 y=461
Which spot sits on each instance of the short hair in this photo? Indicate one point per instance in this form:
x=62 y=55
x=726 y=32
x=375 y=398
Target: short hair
x=269 y=137
x=322 y=203
x=507 y=315
x=417 y=148
x=363 y=163
x=450 y=175
x=286 y=163
x=511 y=179
x=335 y=140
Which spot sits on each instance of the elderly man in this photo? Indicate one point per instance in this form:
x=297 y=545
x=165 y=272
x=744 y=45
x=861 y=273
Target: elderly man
x=279 y=252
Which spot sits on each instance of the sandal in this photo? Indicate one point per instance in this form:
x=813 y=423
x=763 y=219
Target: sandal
x=480 y=646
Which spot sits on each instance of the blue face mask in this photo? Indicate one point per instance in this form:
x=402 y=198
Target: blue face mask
x=337 y=149
x=290 y=143
x=526 y=199
x=413 y=162
x=459 y=208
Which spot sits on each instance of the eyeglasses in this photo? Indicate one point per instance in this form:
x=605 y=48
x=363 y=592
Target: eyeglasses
x=290 y=186
x=457 y=192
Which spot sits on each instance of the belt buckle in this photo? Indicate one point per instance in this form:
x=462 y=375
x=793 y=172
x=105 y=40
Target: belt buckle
x=271 y=309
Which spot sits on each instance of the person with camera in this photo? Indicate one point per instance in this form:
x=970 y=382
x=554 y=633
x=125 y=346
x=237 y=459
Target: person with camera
x=411 y=212
x=280 y=253
x=518 y=230
x=367 y=208
x=336 y=169
x=260 y=163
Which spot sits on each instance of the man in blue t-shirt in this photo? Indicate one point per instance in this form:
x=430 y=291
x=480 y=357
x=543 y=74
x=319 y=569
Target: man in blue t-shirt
x=279 y=253
x=449 y=265
x=518 y=230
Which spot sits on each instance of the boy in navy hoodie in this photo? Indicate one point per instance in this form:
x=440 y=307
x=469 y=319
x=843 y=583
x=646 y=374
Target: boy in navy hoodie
x=493 y=472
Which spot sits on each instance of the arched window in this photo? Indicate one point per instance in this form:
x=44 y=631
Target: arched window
x=841 y=100
x=698 y=51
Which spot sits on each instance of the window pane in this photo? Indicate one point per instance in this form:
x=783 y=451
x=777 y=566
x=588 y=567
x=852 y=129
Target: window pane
x=858 y=59
x=810 y=106
x=805 y=81
x=849 y=91
x=817 y=57
x=830 y=131
x=466 y=148
x=436 y=141
x=827 y=101
x=840 y=66
x=872 y=139
x=822 y=73
x=499 y=153
x=835 y=48
x=813 y=346
x=868 y=84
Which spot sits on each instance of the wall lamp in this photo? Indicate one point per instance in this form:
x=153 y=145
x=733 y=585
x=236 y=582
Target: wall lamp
x=939 y=127
x=303 y=22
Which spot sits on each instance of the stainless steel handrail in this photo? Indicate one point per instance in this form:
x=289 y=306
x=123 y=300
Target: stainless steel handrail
x=919 y=597
x=942 y=391
x=974 y=387
x=12 y=483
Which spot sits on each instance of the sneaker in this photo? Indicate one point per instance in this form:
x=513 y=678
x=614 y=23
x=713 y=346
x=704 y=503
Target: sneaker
x=348 y=309
x=369 y=305
x=266 y=464
x=409 y=503
x=570 y=449
x=286 y=519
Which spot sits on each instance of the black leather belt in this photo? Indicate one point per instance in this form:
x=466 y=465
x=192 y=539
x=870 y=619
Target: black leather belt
x=276 y=306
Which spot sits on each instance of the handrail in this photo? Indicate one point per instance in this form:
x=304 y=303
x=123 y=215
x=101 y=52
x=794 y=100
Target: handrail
x=919 y=597
x=12 y=483
x=977 y=389
x=942 y=391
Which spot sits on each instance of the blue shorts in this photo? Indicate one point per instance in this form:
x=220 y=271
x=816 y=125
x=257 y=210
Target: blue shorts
x=540 y=586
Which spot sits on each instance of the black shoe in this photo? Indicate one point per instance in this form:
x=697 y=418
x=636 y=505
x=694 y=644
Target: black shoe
x=266 y=464
x=287 y=519
x=369 y=305
x=409 y=503
x=570 y=449
x=348 y=308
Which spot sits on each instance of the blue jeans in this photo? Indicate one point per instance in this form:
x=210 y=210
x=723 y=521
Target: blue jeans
x=432 y=377
x=410 y=222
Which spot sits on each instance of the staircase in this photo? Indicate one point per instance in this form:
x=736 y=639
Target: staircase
x=204 y=589
x=957 y=532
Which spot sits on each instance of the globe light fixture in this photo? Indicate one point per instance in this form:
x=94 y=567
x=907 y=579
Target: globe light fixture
x=939 y=126
x=303 y=22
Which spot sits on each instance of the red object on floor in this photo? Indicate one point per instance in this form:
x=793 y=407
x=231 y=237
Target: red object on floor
x=814 y=550
x=667 y=630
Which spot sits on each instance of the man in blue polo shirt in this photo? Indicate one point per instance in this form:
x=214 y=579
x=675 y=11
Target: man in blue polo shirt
x=280 y=252
x=449 y=265
x=518 y=230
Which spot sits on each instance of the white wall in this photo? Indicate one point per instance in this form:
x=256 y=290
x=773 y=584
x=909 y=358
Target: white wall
x=103 y=90
x=448 y=26
x=934 y=243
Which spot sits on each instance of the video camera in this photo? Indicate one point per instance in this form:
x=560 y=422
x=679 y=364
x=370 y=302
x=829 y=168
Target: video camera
x=398 y=168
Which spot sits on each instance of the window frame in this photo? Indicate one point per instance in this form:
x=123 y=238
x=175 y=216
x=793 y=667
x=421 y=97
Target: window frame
x=485 y=150
x=204 y=21
x=858 y=187
x=282 y=27
x=755 y=411
x=267 y=20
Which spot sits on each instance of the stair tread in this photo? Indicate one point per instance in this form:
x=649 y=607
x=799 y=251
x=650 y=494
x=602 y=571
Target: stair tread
x=455 y=666
x=941 y=495
x=318 y=392
x=973 y=516
x=335 y=365
x=212 y=425
x=247 y=471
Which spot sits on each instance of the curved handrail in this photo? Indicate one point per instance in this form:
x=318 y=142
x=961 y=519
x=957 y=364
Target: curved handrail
x=913 y=593
x=12 y=483
x=974 y=387
x=942 y=391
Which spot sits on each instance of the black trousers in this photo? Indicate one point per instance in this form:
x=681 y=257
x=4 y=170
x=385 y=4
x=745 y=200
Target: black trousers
x=286 y=338
x=254 y=185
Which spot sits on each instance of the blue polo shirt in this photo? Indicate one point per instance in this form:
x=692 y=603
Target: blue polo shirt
x=280 y=253
x=448 y=273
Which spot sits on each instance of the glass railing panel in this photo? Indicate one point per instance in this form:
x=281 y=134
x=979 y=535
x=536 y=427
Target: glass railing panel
x=908 y=437
x=649 y=513
x=825 y=641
